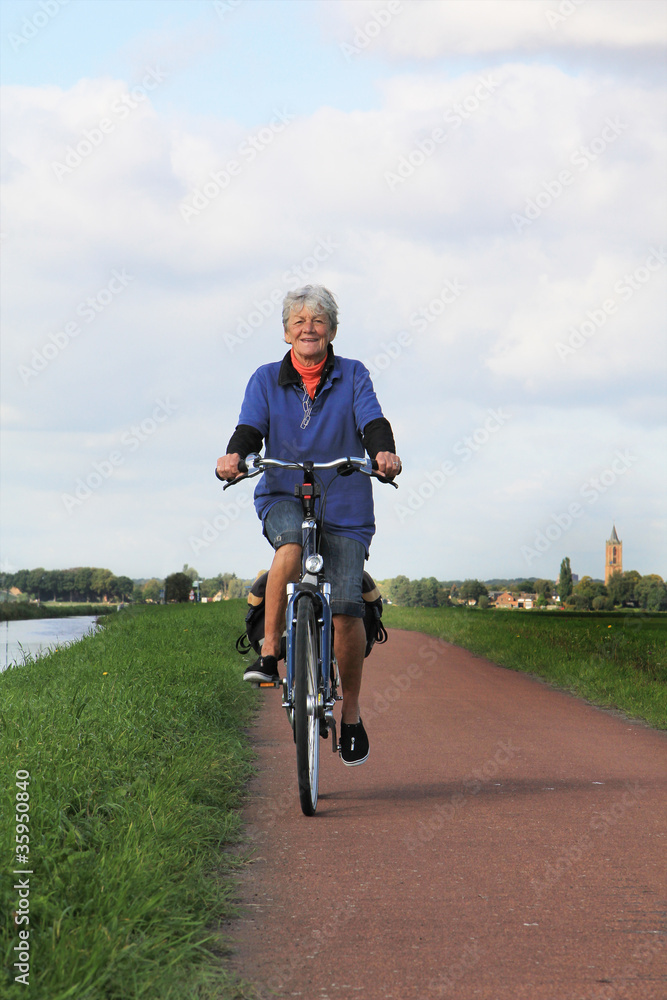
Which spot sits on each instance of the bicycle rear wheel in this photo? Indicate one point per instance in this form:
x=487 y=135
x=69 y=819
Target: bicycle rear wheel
x=306 y=717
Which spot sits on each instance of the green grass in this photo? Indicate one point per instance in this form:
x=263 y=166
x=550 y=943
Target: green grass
x=615 y=660
x=134 y=742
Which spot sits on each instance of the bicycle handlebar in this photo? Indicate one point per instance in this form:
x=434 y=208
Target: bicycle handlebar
x=259 y=464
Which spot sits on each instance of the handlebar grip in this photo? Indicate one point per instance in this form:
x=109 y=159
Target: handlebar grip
x=243 y=468
x=382 y=479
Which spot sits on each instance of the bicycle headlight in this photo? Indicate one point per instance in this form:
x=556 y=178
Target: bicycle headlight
x=314 y=564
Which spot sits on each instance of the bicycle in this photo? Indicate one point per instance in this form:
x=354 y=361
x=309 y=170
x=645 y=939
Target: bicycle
x=310 y=687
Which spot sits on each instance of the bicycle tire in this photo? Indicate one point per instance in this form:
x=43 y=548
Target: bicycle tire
x=306 y=717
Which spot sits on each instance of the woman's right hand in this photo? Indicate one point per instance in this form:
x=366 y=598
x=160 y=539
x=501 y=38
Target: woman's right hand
x=228 y=467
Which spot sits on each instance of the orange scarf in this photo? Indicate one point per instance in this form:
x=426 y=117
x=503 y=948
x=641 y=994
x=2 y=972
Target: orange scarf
x=310 y=376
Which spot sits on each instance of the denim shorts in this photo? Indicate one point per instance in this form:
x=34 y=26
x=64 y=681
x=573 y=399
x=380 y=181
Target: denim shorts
x=343 y=557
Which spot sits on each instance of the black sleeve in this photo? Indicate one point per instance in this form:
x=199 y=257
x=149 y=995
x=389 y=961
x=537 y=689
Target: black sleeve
x=244 y=441
x=378 y=436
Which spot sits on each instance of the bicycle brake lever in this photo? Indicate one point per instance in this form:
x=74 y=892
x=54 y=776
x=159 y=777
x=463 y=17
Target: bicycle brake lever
x=383 y=479
x=233 y=482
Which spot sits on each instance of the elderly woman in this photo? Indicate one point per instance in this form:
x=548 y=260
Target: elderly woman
x=314 y=405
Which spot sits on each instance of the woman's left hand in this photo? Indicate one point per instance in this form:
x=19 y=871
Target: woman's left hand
x=389 y=465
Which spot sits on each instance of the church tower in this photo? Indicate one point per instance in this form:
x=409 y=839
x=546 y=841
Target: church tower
x=613 y=557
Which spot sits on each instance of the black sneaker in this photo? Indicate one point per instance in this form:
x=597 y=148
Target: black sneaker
x=353 y=743
x=263 y=671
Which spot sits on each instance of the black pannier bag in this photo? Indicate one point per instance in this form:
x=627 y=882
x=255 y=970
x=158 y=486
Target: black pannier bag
x=253 y=637
x=375 y=630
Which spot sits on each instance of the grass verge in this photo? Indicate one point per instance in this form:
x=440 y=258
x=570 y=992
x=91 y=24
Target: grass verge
x=16 y=611
x=615 y=660
x=133 y=739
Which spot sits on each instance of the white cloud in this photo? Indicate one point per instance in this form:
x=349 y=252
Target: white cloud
x=422 y=29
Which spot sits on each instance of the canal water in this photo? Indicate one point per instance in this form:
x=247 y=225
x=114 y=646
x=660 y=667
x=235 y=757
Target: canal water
x=39 y=635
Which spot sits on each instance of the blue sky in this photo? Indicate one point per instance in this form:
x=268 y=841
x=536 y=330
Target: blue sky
x=482 y=187
x=233 y=66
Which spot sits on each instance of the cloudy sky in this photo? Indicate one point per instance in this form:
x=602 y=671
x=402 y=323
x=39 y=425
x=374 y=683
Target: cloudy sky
x=480 y=183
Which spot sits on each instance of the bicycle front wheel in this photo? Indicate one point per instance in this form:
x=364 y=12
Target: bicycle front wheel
x=306 y=716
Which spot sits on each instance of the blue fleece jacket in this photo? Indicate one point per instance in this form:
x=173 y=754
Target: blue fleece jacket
x=344 y=404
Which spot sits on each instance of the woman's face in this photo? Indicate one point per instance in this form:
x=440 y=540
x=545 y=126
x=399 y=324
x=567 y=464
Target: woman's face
x=309 y=335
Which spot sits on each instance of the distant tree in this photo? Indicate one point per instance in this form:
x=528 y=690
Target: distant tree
x=400 y=591
x=472 y=590
x=177 y=587
x=210 y=587
x=123 y=587
x=20 y=580
x=52 y=582
x=35 y=582
x=579 y=601
x=621 y=587
x=189 y=571
x=603 y=604
x=102 y=582
x=151 y=590
x=651 y=593
x=83 y=582
x=431 y=593
x=565 y=580
x=483 y=601
x=592 y=589
x=68 y=584
x=226 y=584
x=415 y=594
x=236 y=588
x=544 y=588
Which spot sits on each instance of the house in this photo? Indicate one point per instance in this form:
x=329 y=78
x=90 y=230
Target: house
x=522 y=600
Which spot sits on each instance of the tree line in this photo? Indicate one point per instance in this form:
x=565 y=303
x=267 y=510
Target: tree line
x=89 y=584
x=82 y=583
x=628 y=589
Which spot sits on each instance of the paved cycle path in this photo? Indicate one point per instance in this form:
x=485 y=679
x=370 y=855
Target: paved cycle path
x=504 y=841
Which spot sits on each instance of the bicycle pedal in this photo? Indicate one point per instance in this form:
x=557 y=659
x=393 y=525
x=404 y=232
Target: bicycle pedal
x=266 y=684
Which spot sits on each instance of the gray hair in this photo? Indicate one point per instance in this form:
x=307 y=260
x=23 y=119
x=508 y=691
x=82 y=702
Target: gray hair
x=316 y=298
